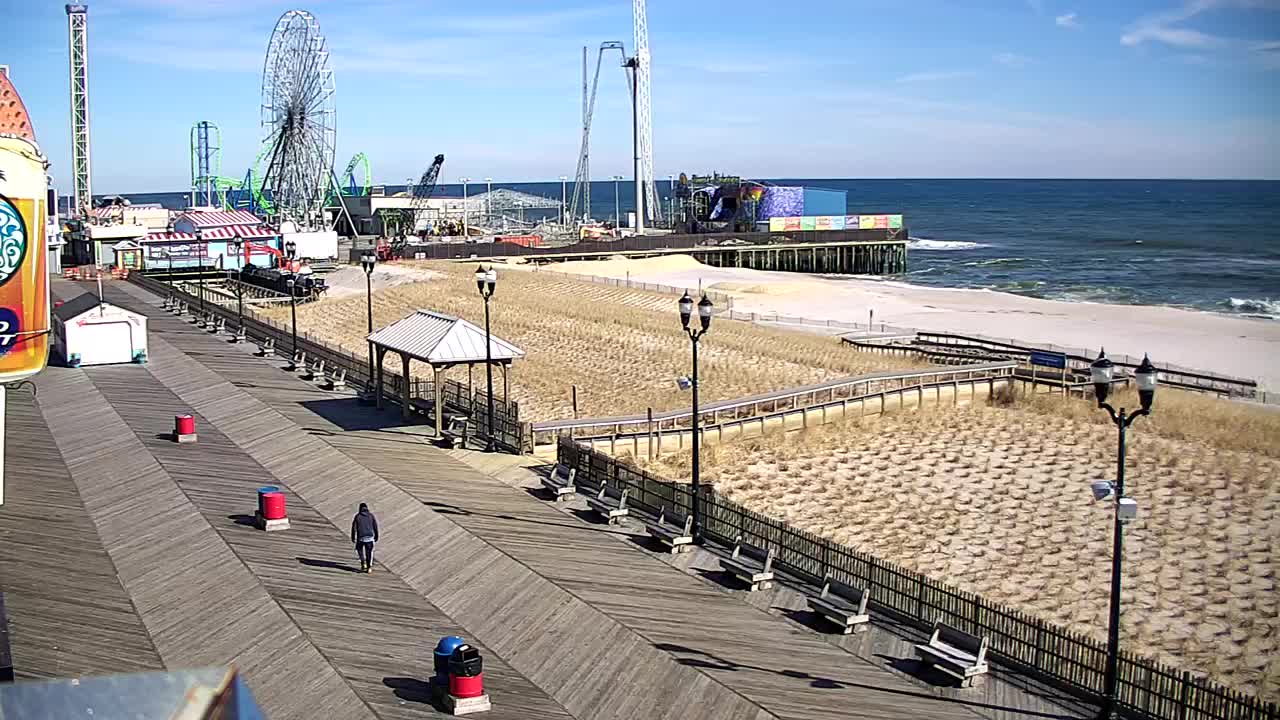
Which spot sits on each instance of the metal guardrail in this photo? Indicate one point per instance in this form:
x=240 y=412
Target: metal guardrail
x=1147 y=689
x=839 y=390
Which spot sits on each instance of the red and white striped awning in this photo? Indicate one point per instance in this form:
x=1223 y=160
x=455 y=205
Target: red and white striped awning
x=207 y=219
x=254 y=233
x=221 y=233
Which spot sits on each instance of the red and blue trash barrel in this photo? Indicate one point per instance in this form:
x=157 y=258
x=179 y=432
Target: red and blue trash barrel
x=444 y=650
x=262 y=510
x=466 y=676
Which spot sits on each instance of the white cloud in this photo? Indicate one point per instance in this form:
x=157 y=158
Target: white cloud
x=1011 y=59
x=1159 y=27
x=1067 y=21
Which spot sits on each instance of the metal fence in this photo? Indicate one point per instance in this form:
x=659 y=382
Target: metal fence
x=509 y=433
x=1147 y=689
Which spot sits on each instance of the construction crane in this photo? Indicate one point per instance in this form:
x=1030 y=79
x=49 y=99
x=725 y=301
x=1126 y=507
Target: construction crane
x=420 y=195
x=425 y=188
x=582 y=179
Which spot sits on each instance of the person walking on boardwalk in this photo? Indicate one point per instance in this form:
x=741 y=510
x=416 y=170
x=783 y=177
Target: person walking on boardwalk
x=364 y=533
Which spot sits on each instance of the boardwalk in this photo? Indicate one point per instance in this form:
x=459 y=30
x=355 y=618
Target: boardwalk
x=575 y=620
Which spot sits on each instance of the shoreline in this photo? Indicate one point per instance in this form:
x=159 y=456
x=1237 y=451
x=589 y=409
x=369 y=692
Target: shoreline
x=1213 y=342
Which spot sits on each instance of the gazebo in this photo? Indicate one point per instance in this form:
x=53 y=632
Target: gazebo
x=443 y=342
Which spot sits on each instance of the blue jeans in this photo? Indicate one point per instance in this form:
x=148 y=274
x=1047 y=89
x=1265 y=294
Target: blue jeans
x=365 y=551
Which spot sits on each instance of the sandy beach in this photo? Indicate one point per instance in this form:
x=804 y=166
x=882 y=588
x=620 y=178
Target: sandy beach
x=1241 y=347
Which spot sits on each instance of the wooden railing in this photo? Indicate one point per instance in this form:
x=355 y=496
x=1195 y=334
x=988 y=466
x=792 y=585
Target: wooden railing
x=1070 y=660
x=509 y=433
x=807 y=399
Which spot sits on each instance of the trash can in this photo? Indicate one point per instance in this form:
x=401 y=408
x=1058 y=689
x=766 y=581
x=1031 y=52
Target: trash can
x=444 y=650
x=263 y=491
x=466 y=679
x=273 y=506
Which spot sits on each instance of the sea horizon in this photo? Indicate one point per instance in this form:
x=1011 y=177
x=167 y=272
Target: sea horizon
x=1206 y=245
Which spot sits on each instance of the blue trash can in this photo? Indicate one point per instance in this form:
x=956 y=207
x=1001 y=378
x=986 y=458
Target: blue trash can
x=263 y=491
x=444 y=651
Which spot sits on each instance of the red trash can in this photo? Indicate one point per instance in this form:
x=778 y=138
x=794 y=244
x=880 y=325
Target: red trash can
x=466 y=679
x=184 y=425
x=273 y=506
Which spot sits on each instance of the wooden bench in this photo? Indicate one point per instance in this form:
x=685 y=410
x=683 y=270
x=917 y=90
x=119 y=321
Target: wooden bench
x=267 y=348
x=752 y=564
x=842 y=604
x=298 y=360
x=610 y=503
x=955 y=652
x=338 y=380
x=560 y=482
x=455 y=432
x=217 y=326
x=316 y=371
x=674 y=530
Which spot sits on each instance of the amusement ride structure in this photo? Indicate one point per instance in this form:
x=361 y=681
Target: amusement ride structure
x=299 y=121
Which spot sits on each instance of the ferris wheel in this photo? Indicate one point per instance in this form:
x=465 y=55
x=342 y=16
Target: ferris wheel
x=299 y=119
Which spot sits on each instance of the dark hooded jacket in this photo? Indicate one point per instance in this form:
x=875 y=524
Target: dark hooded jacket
x=364 y=524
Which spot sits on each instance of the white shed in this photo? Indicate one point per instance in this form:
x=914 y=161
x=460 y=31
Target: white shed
x=89 y=332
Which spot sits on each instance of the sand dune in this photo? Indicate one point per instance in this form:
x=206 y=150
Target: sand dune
x=997 y=502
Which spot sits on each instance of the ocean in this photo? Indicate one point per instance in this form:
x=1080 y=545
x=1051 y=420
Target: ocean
x=1204 y=245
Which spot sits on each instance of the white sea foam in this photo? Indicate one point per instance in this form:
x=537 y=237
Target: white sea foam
x=930 y=244
x=1256 y=306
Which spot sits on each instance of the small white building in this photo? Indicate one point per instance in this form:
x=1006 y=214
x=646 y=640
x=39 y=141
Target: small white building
x=89 y=332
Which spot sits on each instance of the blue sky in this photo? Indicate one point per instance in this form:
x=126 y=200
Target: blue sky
x=802 y=88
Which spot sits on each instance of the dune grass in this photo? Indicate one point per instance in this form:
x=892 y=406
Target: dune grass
x=622 y=348
x=997 y=501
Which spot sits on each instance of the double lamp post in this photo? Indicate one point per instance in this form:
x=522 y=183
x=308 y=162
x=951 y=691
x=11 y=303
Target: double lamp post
x=1102 y=372
x=695 y=333
x=486 y=282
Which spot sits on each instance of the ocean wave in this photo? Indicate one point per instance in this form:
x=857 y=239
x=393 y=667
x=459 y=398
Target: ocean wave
x=1265 y=307
x=995 y=261
x=916 y=243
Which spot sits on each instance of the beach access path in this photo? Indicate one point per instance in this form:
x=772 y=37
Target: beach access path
x=133 y=553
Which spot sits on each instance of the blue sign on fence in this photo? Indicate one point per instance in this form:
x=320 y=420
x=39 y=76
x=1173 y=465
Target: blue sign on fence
x=1048 y=359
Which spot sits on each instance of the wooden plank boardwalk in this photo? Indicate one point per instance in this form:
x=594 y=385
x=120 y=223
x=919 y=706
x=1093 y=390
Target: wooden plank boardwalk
x=375 y=630
x=68 y=614
x=779 y=666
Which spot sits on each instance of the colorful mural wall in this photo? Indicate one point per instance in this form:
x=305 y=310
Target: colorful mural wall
x=835 y=222
x=24 y=253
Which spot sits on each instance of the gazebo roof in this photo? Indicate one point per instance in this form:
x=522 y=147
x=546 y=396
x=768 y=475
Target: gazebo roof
x=442 y=340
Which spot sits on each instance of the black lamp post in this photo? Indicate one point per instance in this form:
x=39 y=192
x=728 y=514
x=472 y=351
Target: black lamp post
x=238 y=244
x=486 y=280
x=1102 y=371
x=293 y=317
x=173 y=299
x=200 y=272
x=695 y=334
x=369 y=260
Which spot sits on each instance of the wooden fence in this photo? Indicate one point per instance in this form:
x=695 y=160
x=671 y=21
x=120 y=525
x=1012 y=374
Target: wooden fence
x=509 y=433
x=1076 y=663
x=819 y=397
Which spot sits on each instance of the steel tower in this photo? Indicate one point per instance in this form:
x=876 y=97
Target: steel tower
x=206 y=160
x=78 y=41
x=644 y=116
